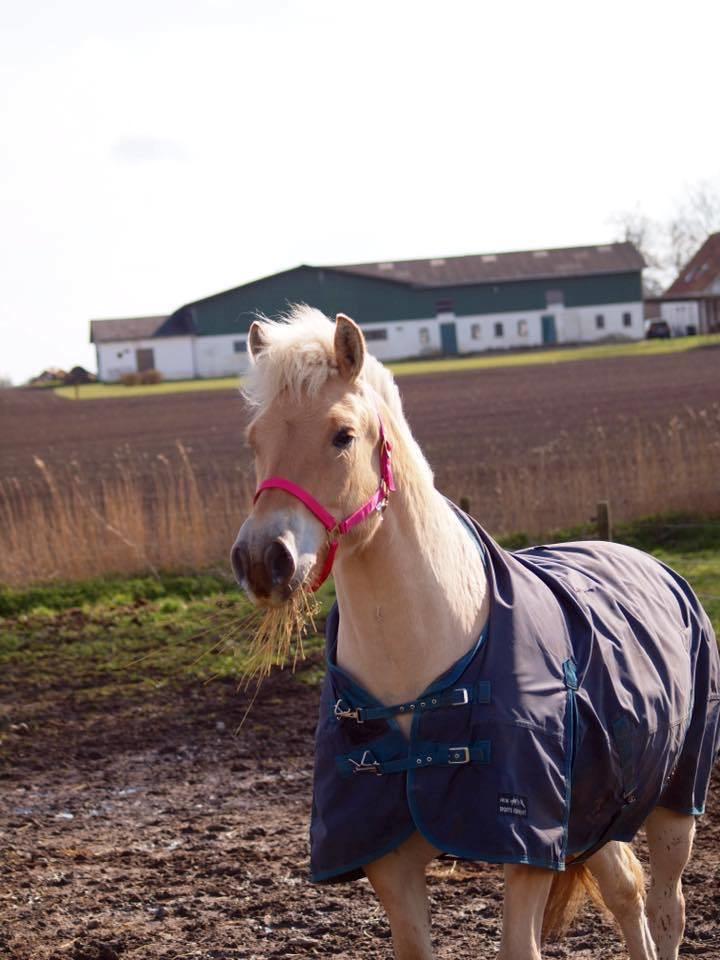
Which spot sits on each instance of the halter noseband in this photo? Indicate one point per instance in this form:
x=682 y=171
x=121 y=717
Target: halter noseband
x=336 y=528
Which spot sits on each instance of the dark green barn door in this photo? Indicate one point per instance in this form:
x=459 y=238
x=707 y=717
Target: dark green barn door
x=549 y=333
x=448 y=338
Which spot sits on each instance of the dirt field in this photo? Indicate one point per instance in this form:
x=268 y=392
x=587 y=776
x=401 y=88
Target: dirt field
x=143 y=827
x=499 y=415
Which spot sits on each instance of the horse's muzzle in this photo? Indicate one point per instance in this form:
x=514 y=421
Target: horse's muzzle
x=265 y=570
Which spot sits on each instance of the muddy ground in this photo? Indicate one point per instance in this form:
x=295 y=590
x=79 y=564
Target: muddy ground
x=144 y=828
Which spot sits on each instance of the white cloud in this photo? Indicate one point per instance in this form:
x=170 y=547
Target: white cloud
x=147 y=150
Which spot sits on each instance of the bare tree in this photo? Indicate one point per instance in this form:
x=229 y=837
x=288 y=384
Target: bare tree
x=668 y=245
x=646 y=234
x=694 y=221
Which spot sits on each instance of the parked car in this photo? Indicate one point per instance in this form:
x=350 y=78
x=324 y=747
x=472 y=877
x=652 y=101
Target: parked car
x=658 y=329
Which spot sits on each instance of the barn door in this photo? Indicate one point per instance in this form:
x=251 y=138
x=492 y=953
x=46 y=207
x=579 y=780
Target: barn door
x=448 y=338
x=145 y=358
x=549 y=333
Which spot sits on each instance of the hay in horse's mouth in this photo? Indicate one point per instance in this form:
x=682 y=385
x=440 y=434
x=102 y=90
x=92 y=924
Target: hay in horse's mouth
x=279 y=636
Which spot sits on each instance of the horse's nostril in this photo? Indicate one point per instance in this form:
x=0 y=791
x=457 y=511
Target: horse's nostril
x=280 y=563
x=240 y=560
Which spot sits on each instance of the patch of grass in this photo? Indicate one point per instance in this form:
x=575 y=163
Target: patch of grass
x=500 y=358
x=101 y=391
x=535 y=357
x=113 y=591
x=115 y=645
x=702 y=571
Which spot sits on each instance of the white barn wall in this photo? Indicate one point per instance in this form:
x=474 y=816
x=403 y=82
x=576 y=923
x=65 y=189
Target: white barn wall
x=216 y=356
x=578 y=324
x=511 y=335
x=571 y=324
x=404 y=339
x=173 y=357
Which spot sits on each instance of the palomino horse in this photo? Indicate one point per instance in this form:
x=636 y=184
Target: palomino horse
x=530 y=709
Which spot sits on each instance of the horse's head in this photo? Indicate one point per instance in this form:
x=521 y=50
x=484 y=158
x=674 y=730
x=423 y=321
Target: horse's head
x=316 y=436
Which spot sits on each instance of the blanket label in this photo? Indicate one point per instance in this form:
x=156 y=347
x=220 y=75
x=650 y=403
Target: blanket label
x=511 y=805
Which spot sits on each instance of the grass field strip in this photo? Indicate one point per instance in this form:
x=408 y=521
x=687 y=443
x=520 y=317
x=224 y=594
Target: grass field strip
x=499 y=359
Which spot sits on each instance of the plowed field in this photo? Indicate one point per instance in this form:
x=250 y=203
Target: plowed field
x=458 y=418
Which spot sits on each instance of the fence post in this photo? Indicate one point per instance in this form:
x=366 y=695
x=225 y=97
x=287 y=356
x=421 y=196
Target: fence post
x=604 y=524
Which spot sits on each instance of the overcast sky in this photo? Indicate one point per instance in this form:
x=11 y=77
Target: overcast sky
x=156 y=151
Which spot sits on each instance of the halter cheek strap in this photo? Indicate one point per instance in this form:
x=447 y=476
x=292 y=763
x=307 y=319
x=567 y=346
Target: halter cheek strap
x=336 y=528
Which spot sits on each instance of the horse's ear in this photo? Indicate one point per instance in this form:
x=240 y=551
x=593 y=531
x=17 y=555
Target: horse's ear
x=257 y=339
x=349 y=347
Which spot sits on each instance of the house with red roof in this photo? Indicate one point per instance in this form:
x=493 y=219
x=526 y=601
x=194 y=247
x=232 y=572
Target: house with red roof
x=692 y=301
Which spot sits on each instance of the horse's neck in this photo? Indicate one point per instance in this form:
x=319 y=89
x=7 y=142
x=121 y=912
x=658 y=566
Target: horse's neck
x=412 y=602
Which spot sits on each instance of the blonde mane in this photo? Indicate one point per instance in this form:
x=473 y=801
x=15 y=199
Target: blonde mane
x=298 y=358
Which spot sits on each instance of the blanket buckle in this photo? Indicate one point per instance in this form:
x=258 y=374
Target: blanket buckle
x=458 y=755
x=344 y=712
x=366 y=766
x=464 y=698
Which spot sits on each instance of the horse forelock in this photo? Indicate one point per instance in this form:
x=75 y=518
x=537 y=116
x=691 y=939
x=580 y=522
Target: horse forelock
x=298 y=359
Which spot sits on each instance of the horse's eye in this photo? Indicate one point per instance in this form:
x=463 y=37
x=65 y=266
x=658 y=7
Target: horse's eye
x=342 y=439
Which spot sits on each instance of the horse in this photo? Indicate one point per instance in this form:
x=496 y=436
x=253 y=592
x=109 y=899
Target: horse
x=532 y=709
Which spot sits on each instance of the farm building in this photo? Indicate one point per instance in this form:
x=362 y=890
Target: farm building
x=409 y=308
x=138 y=344
x=692 y=301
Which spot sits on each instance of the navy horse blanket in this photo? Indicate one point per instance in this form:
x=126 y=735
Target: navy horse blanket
x=592 y=696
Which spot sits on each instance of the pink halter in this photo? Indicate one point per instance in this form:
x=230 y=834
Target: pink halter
x=335 y=528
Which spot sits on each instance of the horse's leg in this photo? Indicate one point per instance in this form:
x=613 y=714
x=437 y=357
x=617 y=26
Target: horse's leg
x=670 y=838
x=526 y=893
x=620 y=878
x=399 y=882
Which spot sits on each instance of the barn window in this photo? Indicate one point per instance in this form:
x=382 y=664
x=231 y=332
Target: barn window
x=240 y=346
x=499 y=330
x=424 y=337
x=600 y=321
x=553 y=297
x=627 y=319
x=444 y=306
x=522 y=328
x=380 y=333
x=476 y=331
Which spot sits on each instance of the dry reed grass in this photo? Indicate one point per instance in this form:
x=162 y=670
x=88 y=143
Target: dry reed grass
x=165 y=515
x=147 y=517
x=641 y=469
